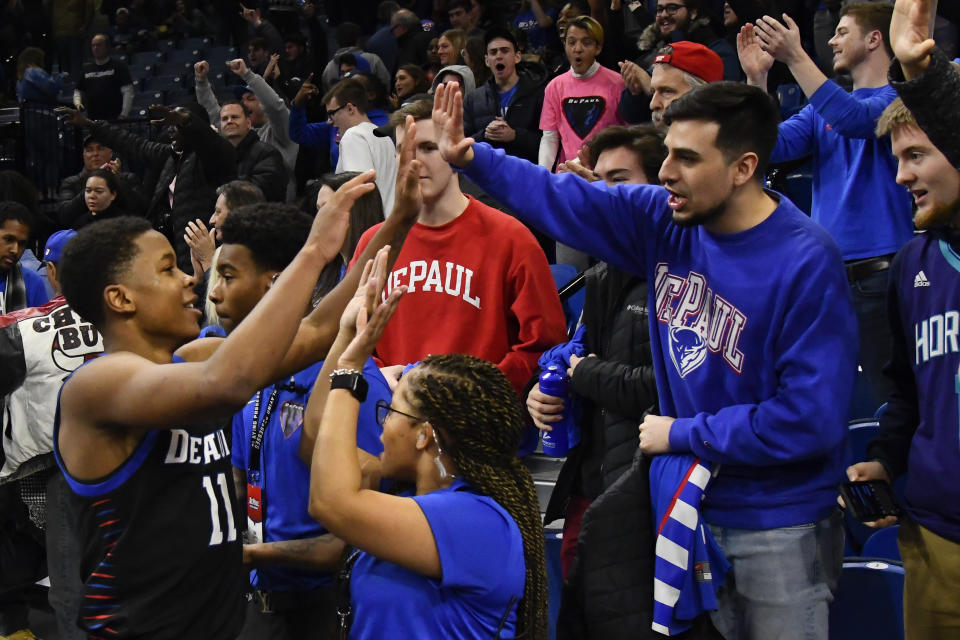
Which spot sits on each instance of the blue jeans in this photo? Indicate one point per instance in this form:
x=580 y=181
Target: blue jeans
x=782 y=581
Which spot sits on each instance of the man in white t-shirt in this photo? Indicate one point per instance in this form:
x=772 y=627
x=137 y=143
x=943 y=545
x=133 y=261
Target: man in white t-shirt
x=360 y=149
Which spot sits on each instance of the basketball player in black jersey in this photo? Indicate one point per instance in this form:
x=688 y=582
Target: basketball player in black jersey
x=151 y=496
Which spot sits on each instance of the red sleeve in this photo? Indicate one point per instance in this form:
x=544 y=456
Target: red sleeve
x=537 y=312
x=362 y=244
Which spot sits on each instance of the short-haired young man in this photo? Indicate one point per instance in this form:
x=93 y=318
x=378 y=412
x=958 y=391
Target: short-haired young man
x=748 y=301
x=505 y=111
x=19 y=288
x=677 y=68
x=135 y=429
x=919 y=428
x=855 y=196
x=477 y=282
x=257 y=161
x=360 y=149
x=291 y=557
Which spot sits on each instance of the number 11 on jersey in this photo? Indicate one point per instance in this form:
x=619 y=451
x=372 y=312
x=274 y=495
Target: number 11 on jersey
x=216 y=535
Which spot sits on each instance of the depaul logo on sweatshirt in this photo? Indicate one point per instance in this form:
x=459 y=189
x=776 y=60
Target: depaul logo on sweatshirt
x=700 y=321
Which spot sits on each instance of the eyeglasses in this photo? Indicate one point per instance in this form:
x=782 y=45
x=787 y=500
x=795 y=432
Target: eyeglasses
x=670 y=9
x=384 y=410
x=333 y=112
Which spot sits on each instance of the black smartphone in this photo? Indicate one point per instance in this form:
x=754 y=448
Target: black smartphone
x=870 y=500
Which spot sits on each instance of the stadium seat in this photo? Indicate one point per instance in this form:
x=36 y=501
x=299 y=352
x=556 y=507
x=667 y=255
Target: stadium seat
x=572 y=303
x=183 y=56
x=146 y=58
x=798 y=186
x=166 y=45
x=869 y=601
x=165 y=83
x=221 y=54
x=198 y=44
x=861 y=432
x=791 y=99
x=147 y=98
x=554 y=540
x=140 y=71
x=883 y=544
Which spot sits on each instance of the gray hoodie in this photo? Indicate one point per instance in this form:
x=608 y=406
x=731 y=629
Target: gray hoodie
x=462 y=70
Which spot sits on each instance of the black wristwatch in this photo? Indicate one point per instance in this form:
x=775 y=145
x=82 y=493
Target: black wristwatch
x=351 y=380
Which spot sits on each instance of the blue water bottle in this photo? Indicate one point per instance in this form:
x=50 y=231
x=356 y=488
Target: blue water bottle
x=554 y=382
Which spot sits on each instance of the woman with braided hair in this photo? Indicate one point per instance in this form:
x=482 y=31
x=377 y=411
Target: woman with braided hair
x=461 y=556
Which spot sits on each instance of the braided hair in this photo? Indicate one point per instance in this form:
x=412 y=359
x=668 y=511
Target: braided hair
x=478 y=422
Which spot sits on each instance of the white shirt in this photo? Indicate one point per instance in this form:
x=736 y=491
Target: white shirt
x=360 y=150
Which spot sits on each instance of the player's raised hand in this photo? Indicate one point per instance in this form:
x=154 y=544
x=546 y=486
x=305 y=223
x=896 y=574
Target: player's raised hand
x=448 y=119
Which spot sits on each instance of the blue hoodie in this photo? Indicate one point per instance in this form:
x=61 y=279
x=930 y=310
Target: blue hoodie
x=754 y=337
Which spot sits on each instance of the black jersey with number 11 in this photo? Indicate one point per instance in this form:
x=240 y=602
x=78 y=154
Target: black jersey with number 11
x=161 y=553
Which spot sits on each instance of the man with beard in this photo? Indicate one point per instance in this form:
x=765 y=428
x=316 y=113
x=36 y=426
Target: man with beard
x=919 y=428
x=748 y=301
x=855 y=196
x=686 y=20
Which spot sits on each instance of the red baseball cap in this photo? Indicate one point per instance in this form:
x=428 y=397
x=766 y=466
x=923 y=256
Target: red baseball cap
x=693 y=58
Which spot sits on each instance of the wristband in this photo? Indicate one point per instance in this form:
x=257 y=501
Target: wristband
x=351 y=380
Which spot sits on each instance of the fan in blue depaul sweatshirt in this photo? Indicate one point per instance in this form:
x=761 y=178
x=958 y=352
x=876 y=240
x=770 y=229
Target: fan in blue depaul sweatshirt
x=754 y=338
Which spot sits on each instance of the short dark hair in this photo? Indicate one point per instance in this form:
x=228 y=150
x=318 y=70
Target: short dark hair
x=500 y=32
x=238 y=193
x=347 y=58
x=348 y=34
x=258 y=43
x=349 y=90
x=107 y=176
x=98 y=256
x=644 y=140
x=272 y=232
x=246 y=109
x=872 y=16
x=748 y=118
x=17 y=212
x=466 y=5
x=295 y=38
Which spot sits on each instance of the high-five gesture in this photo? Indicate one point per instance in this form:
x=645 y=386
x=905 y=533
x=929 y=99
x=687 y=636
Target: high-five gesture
x=910 y=35
x=448 y=119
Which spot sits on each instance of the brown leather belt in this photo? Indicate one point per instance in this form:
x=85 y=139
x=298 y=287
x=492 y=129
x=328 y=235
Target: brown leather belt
x=860 y=269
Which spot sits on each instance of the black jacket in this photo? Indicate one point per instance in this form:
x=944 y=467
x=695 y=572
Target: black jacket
x=262 y=164
x=617 y=386
x=73 y=206
x=205 y=162
x=482 y=106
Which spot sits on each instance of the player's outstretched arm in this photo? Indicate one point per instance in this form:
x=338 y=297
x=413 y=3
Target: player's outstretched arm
x=136 y=392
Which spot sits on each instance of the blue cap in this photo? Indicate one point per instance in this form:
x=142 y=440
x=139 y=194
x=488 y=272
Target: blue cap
x=239 y=90
x=55 y=245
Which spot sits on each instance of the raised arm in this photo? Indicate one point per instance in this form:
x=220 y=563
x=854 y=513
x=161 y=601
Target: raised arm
x=617 y=225
x=273 y=105
x=204 y=91
x=126 y=389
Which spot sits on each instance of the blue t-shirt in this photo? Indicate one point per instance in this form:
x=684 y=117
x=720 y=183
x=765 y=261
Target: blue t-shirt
x=506 y=97
x=285 y=479
x=481 y=558
x=35 y=289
